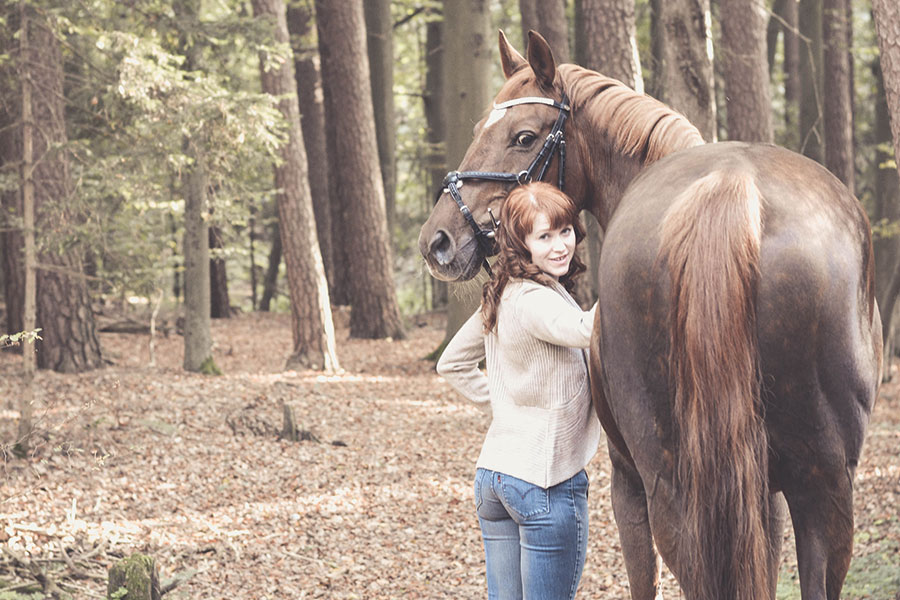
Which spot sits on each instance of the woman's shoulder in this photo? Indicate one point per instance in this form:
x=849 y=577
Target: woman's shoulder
x=517 y=287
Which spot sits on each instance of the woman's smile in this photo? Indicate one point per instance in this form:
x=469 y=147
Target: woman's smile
x=551 y=248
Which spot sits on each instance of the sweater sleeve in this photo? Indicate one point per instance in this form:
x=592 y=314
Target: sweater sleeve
x=549 y=317
x=459 y=362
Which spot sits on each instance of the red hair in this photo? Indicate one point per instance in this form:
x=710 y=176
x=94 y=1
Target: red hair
x=517 y=217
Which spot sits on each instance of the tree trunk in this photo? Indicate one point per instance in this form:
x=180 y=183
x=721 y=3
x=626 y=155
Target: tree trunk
x=685 y=73
x=11 y=239
x=312 y=122
x=357 y=185
x=138 y=575
x=254 y=275
x=220 y=305
x=606 y=40
x=380 y=38
x=468 y=42
x=69 y=341
x=887 y=25
x=197 y=332
x=838 y=126
x=435 y=123
x=29 y=308
x=270 y=284
x=553 y=25
x=791 y=69
x=745 y=69
x=529 y=14
x=810 y=24
x=886 y=216
x=311 y=322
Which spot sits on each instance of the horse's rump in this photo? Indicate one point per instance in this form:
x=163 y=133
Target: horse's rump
x=710 y=239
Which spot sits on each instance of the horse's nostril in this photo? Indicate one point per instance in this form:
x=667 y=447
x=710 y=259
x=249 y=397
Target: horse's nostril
x=441 y=248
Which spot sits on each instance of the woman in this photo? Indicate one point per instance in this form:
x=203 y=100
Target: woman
x=530 y=485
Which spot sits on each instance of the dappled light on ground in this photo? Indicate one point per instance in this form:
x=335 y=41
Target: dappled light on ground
x=190 y=469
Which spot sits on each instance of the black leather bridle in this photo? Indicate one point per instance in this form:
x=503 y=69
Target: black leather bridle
x=555 y=143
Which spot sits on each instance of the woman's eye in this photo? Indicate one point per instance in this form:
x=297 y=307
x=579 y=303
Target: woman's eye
x=525 y=138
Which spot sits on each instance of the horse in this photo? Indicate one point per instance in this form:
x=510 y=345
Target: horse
x=737 y=348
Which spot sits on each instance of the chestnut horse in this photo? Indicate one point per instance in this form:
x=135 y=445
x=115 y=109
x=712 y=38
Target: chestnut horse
x=737 y=345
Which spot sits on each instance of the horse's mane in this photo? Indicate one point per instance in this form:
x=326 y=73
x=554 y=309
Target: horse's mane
x=637 y=124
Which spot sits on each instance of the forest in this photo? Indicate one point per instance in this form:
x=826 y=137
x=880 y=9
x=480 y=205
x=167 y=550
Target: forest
x=218 y=334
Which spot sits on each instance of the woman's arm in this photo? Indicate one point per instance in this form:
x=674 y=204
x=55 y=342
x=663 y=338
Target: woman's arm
x=547 y=316
x=459 y=362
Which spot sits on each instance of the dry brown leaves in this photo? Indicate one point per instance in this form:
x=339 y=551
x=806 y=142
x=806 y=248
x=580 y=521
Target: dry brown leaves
x=188 y=469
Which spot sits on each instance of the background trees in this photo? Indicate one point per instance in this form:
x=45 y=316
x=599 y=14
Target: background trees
x=167 y=129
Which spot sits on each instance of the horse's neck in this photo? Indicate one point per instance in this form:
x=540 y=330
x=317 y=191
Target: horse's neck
x=620 y=132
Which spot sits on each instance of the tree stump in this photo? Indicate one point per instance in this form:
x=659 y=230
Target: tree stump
x=134 y=578
x=290 y=430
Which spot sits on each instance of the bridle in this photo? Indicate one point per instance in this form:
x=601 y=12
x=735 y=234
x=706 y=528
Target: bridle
x=555 y=143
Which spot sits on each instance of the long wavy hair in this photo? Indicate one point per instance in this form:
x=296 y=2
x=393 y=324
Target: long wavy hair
x=517 y=217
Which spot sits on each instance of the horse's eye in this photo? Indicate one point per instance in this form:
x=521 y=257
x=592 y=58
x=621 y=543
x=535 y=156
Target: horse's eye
x=525 y=138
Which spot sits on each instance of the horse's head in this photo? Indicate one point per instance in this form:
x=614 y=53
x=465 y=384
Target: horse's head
x=513 y=143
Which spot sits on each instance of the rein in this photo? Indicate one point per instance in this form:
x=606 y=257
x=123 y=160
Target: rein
x=554 y=144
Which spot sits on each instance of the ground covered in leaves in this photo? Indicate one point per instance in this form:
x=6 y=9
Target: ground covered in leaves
x=376 y=502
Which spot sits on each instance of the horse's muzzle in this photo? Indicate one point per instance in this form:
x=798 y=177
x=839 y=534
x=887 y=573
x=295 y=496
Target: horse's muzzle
x=447 y=261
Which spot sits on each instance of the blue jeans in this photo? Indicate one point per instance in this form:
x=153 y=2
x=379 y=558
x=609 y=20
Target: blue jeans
x=535 y=539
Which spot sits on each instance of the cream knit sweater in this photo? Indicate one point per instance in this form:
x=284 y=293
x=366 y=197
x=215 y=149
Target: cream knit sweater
x=544 y=428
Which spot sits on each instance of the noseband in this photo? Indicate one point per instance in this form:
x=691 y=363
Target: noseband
x=555 y=143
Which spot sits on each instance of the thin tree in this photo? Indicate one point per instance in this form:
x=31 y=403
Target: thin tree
x=784 y=21
x=809 y=21
x=435 y=121
x=312 y=325
x=356 y=186
x=270 y=280
x=312 y=121
x=220 y=304
x=197 y=303
x=838 y=124
x=886 y=216
x=26 y=401
x=195 y=243
x=683 y=76
x=887 y=26
x=11 y=239
x=745 y=70
x=380 y=40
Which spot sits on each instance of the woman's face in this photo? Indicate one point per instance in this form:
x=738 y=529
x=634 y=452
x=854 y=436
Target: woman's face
x=551 y=249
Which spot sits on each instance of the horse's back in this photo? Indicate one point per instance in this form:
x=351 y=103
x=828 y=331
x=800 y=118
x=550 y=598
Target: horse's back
x=817 y=328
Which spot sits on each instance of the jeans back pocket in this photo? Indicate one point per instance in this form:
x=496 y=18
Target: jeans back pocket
x=524 y=499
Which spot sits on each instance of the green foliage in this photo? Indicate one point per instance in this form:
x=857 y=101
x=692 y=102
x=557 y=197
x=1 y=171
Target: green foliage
x=15 y=339
x=118 y=594
x=153 y=88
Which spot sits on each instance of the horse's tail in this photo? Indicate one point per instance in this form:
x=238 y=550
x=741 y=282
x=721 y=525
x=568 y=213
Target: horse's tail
x=710 y=239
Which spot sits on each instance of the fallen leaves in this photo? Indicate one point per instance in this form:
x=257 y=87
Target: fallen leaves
x=190 y=470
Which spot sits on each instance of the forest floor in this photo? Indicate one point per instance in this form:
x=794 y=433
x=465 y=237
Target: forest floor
x=190 y=470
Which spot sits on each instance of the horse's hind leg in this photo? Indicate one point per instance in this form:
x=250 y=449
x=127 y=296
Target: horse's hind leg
x=778 y=516
x=629 y=502
x=822 y=515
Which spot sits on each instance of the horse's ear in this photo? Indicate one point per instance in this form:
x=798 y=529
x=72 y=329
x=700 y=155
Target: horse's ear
x=541 y=59
x=510 y=59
